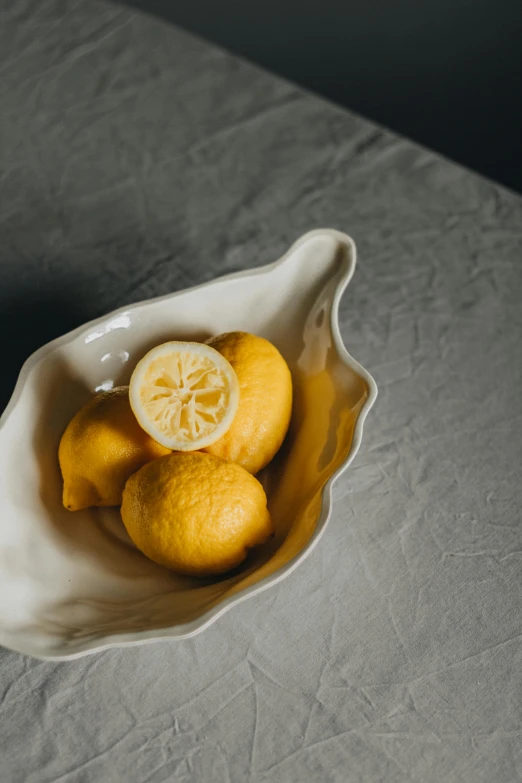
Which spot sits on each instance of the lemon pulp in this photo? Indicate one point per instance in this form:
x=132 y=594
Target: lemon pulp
x=184 y=395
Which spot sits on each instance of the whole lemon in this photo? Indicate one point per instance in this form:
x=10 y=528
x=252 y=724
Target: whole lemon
x=265 y=400
x=195 y=513
x=101 y=447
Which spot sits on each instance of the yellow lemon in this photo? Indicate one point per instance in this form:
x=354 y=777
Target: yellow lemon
x=195 y=513
x=265 y=400
x=101 y=447
x=185 y=395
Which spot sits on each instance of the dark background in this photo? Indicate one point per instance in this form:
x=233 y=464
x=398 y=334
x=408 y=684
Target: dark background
x=447 y=74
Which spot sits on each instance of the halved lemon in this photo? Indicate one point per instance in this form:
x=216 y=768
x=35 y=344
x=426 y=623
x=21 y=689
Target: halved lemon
x=184 y=395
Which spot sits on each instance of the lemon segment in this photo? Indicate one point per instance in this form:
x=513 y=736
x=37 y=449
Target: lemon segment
x=184 y=395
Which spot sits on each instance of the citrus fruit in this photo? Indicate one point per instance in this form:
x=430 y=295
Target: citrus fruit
x=185 y=395
x=265 y=400
x=195 y=513
x=102 y=445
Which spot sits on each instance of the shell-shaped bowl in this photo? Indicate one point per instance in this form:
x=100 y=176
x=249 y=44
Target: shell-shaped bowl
x=71 y=584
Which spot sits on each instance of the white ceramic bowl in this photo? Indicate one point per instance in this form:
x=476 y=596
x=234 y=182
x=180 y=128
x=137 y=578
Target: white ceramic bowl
x=71 y=584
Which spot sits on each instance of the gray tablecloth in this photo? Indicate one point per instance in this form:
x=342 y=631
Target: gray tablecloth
x=135 y=161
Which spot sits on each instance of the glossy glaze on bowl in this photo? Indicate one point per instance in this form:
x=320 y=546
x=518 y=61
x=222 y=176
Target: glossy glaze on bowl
x=74 y=583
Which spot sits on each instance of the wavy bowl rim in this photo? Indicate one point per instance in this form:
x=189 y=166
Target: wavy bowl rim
x=211 y=615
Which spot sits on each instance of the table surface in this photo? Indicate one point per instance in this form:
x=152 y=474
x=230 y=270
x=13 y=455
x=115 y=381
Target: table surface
x=135 y=160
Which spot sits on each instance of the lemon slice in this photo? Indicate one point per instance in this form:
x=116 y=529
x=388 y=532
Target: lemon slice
x=184 y=395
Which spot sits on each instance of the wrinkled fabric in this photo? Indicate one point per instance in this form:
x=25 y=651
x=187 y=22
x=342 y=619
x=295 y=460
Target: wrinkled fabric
x=134 y=161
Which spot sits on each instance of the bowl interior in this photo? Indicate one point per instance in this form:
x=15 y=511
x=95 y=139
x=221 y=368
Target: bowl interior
x=74 y=581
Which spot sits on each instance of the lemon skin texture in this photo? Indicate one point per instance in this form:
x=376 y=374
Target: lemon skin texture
x=101 y=447
x=195 y=513
x=265 y=401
